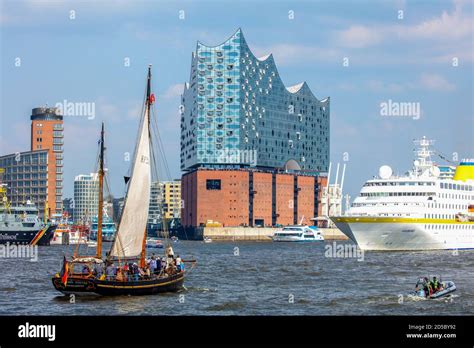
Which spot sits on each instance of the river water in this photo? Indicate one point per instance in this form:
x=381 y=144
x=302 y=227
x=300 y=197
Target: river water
x=251 y=278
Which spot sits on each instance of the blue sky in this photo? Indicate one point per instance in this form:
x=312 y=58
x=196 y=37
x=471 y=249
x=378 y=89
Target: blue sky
x=82 y=60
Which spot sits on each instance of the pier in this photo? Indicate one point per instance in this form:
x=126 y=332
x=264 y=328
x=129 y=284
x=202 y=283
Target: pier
x=261 y=234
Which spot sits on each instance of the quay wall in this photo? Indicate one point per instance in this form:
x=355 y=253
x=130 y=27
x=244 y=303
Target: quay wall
x=248 y=233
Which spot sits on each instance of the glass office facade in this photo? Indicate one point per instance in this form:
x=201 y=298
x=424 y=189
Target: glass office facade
x=26 y=177
x=86 y=197
x=236 y=112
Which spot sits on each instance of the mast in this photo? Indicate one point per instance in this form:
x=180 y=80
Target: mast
x=130 y=235
x=149 y=101
x=101 y=195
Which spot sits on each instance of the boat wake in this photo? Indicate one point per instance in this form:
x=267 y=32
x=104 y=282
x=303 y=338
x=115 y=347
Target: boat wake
x=199 y=289
x=447 y=298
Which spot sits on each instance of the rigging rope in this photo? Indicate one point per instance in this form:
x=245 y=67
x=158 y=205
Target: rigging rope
x=439 y=154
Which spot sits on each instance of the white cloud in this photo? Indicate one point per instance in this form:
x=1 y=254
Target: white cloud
x=285 y=54
x=435 y=82
x=358 y=36
x=391 y=87
x=173 y=91
x=449 y=27
x=426 y=81
x=107 y=110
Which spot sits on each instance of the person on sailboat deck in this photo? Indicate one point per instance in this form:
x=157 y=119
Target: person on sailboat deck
x=110 y=271
x=179 y=264
x=170 y=261
x=134 y=271
x=159 y=265
x=152 y=264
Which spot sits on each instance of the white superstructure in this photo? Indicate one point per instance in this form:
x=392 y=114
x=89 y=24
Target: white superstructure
x=298 y=234
x=420 y=210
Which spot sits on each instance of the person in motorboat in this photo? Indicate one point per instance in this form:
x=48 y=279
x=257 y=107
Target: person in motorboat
x=435 y=285
x=426 y=286
x=434 y=288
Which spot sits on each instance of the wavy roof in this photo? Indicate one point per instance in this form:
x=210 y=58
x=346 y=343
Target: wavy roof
x=295 y=89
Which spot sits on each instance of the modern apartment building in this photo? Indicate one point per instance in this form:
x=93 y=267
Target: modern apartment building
x=237 y=111
x=37 y=175
x=47 y=132
x=86 y=197
x=171 y=201
x=155 y=210
x=26 y=178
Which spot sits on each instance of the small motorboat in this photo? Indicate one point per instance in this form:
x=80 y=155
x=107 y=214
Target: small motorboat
x=174 y=239
x=446 y=288
x=154 y=243
x=207 y=240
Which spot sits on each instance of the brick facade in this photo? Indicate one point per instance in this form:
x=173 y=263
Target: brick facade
x=248 y=198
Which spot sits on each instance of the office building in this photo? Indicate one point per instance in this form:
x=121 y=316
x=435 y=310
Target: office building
x=37 y=175
x=47 y=132
x=86 y=197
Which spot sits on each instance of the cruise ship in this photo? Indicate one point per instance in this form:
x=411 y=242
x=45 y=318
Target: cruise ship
x=425 y=209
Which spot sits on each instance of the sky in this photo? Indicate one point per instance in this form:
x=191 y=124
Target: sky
x=362 y=54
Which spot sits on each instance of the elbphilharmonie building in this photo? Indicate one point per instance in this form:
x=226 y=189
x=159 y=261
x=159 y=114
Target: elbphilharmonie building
x=237 y=113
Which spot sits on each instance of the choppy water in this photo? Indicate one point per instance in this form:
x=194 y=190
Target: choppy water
x=263 y=279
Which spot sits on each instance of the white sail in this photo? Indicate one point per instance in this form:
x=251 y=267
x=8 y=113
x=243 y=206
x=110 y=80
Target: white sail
x=131 y=230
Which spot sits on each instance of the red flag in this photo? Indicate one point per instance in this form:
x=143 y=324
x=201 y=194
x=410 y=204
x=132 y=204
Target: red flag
x=152 y=99
x=64 y=271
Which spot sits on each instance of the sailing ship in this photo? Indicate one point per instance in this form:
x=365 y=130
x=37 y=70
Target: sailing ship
x=110 y=275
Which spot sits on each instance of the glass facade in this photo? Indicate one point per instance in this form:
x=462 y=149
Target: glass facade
x=26 y=177
x=237 y=111
x=86 y=197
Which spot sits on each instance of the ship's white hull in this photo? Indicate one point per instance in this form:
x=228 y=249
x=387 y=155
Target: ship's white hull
x=405 y=235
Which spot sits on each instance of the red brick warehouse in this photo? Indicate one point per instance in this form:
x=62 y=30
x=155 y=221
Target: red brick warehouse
x=249 y=197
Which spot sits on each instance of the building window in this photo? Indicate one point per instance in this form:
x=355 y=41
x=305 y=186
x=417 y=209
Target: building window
x=213 y=184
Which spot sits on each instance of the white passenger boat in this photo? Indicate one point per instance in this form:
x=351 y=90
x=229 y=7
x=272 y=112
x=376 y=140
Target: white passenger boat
x=298 y=234
x=424 y=209
x=154 y=243
x=77 y=237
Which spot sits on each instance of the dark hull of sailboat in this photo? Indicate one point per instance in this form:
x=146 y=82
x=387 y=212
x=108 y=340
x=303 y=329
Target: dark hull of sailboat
x=76 y=285
x=142 y=287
